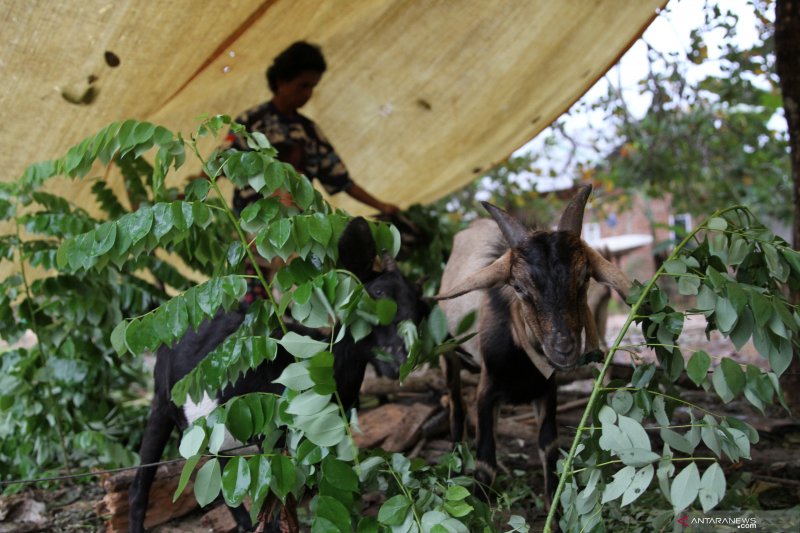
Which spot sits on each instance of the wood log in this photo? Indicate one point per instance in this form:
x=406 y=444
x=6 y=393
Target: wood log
x=114 y=505
x=219 y=520
x=430 y=380
x=393 y=427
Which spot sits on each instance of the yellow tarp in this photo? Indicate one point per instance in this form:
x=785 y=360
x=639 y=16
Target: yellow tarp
x=419 y=98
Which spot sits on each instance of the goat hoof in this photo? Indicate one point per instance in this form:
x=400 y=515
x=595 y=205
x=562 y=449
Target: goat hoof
x=484 y=478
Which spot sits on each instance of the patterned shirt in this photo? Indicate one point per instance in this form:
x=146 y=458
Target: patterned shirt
x=299 y=142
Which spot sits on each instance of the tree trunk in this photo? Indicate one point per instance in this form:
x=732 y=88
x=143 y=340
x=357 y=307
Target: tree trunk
x=787 y=53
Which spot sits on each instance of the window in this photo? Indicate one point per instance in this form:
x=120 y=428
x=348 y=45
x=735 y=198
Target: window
x=591 y=233
x=679 y=226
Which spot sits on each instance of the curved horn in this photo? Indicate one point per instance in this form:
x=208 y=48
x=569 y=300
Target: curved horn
x=572 y=217
x=489 y=276
x=389 y=264
x=513 y=231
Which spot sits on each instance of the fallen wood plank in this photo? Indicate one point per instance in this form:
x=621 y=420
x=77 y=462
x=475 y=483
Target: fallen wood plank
x=393 y=427
x=114 y=505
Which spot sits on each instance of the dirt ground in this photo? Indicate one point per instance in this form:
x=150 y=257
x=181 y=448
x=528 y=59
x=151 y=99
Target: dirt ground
x=773 y=479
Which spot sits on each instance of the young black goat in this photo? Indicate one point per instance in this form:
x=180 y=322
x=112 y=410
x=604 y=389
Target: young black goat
x=357 y=253
x=533 y=311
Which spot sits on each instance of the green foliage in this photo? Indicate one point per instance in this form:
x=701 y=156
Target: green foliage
x=737 y=272
x=94 y=318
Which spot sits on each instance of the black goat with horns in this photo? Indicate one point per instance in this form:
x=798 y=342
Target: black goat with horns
x=357 y=253
x=530 y=288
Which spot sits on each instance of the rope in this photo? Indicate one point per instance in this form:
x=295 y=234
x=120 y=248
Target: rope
x=102 y=472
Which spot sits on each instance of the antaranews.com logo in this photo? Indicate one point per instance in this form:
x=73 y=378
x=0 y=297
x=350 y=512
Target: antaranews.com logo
x=724 y=521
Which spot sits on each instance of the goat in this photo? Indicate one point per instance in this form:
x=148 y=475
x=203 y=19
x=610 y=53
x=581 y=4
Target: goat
x=357 y=253
x=533 y=312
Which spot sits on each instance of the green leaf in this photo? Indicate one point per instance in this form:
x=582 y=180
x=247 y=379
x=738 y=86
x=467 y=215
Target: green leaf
x=279 y=232
x=332 y=510
x=192 y=441
x=675 y=267
x=622 y=480
x=208 y=482
x=340 y=474
x=676 y=440
x=458 y=509
x=781 y=357
x=217 y=438
x=706 y=299
x=709 y=434
x=634 y=431
x=456 y=493
x=777 y=267
x=393 y=511
x=466 y=322
x=326 y=428
x=137 y=225
x=685 y=487
x=665 y=469
x=712 y=487
x=642 y=375
x=697 y=367
x=261 y=478
x=793 y=258
x=762 y=308
x=728 y=380
x=118 y=338
x=725 y=315
x=283 y=476
x=743 y=330
x=308 y=403
x=235 y=253
x=738 y=250
x=717 y=224
x=385 y=309
x=235 y=481
x=240 y=420
x=104 y=237
x=637 y=456
x=367 y=524
x=186 y=474
x=641 y=480
x=295 y=377
x=621 y=402
x=437 y=325
x=302 y=346
x=320 y=228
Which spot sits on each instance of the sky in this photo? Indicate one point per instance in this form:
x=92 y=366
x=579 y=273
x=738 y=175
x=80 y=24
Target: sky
x=669 y=32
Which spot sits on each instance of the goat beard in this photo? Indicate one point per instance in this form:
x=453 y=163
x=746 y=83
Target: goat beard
x=528 y=341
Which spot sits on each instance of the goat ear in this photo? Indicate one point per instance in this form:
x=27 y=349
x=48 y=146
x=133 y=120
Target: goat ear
x=608 y=273
x=357 y=248
x=489 y=276
x=514 y=232
x=572 y=217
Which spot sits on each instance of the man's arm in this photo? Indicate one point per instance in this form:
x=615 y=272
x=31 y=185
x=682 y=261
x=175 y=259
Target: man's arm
x=355 y=191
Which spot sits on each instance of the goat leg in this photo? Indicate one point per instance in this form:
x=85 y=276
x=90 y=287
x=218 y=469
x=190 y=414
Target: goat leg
x=159 y=427
x=451 y=363
x=545 y=408
x=488 y=410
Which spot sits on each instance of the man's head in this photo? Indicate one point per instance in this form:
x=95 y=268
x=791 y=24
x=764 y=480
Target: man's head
x=295 y=72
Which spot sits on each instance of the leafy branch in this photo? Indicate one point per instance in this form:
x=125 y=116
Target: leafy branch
x=736 y=270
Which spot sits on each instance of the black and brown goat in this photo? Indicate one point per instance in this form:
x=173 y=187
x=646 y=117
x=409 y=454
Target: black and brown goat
x=357 y=253
x=530 y=289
